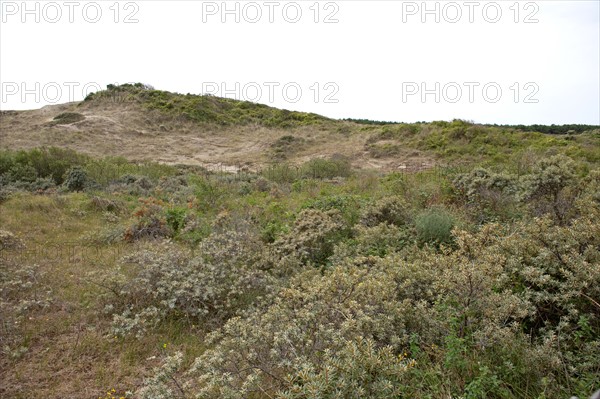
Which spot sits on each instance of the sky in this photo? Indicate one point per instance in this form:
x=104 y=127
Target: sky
x=505 y=62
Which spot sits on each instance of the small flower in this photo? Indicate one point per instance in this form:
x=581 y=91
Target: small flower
x=165 y=346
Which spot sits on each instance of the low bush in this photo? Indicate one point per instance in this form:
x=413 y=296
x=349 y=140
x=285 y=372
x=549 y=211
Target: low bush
x=550 y=187
x=434 y=226
x=151 y=221
x=312 y=237
x=489 y=195
x=76 y=179
x=392 y=210
x=171 y=283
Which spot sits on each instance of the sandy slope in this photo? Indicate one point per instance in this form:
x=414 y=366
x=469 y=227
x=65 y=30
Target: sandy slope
x=125 y=129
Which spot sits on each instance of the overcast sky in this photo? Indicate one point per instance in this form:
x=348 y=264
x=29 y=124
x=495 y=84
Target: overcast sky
x=506 y=62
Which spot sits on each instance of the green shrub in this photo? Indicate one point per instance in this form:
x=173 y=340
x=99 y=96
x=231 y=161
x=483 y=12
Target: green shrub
x=434 y=226
x=393 y=210
x=76 y=179
x=380 y=240
x=176 y=218
x=20 y=173
x=326 y=168
x=312 y=237
x=347 y=205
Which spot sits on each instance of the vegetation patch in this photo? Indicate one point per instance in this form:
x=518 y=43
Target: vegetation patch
x=67 y=118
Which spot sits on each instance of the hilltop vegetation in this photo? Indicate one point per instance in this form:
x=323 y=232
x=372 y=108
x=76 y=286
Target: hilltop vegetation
x=347 y=260
x=206 y=108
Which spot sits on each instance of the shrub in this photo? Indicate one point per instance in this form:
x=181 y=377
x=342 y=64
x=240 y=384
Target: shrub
x=285 y=146
x=42 y=184
x=76 y=179
x=434 y=226
x=359 y=370
x=132 y=184
x=48 y=163
x=548 y=187
x=162 y=384
x=255 y=354
x=151 y=221
x=379 y=240
x=172 y=184
x=176 y=218
x=22 y=294
x=208 y=288
x=347 y=205
x=326 y=168
x=312 y=237
x=105 y=204
x=488 y=194
x=9 y=241
x=392 y=210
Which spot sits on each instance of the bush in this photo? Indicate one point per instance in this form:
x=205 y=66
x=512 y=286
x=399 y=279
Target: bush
x=66 y=118
x=380 y=240
x=359 y=370
x=488 y=194
x=20 y=173
x=46 y=163
x=312 y=237
x=105 y=204
x=209 y=288
x=151 y=221
x=176 y=218
x=347 y=205
x=434 y=227
x=392 y=210
x=316 y=315
x=76 y=179
x=326 y=168
x=9 y=241
x=547 y=188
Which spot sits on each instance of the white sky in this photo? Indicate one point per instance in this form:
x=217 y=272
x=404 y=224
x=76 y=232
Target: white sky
x=374 y=61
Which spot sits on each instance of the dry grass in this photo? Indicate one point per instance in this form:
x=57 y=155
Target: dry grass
x=70 y=351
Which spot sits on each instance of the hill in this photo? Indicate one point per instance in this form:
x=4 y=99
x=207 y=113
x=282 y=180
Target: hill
x=144 y=124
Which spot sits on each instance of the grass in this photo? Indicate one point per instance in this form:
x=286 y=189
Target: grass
x=68 y=351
